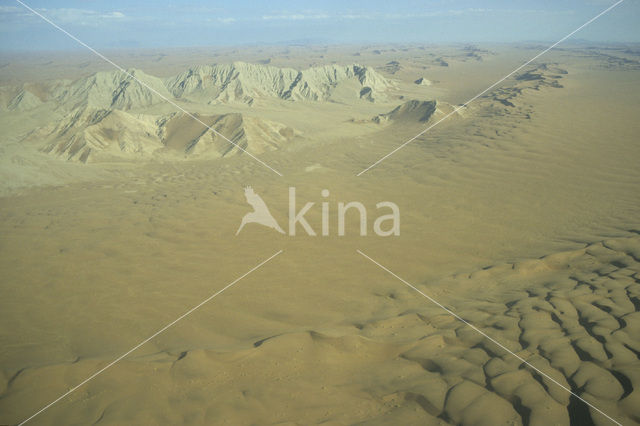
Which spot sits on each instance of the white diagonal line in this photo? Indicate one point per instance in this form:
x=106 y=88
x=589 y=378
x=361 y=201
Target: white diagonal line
x=490 y=87
x=146 y=85
x=190 y=311
x=458 y=317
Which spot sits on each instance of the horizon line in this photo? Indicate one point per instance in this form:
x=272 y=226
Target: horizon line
x=294 y=43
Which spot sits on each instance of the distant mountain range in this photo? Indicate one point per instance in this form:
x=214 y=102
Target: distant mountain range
x=209 y=84
x=105 y=115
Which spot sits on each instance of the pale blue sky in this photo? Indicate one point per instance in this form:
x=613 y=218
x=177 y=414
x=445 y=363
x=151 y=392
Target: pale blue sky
x=145 y=23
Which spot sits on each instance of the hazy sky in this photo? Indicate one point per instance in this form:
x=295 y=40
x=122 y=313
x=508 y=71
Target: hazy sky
x=146 y=23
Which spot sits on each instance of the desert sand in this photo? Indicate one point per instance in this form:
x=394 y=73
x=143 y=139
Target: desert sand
x=520 y=213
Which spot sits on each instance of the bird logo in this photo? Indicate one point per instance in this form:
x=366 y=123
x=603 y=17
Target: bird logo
x=260 y=213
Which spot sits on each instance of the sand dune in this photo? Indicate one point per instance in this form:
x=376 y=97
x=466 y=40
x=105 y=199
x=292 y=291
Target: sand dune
x=571 y=314
x=544 y=75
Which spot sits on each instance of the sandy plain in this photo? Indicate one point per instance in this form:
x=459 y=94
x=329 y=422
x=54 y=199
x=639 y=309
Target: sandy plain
x=519 y=213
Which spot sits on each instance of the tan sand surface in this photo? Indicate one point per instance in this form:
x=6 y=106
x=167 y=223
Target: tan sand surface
x=519 y=213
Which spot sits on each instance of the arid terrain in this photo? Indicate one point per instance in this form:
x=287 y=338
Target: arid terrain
x=520 y=212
